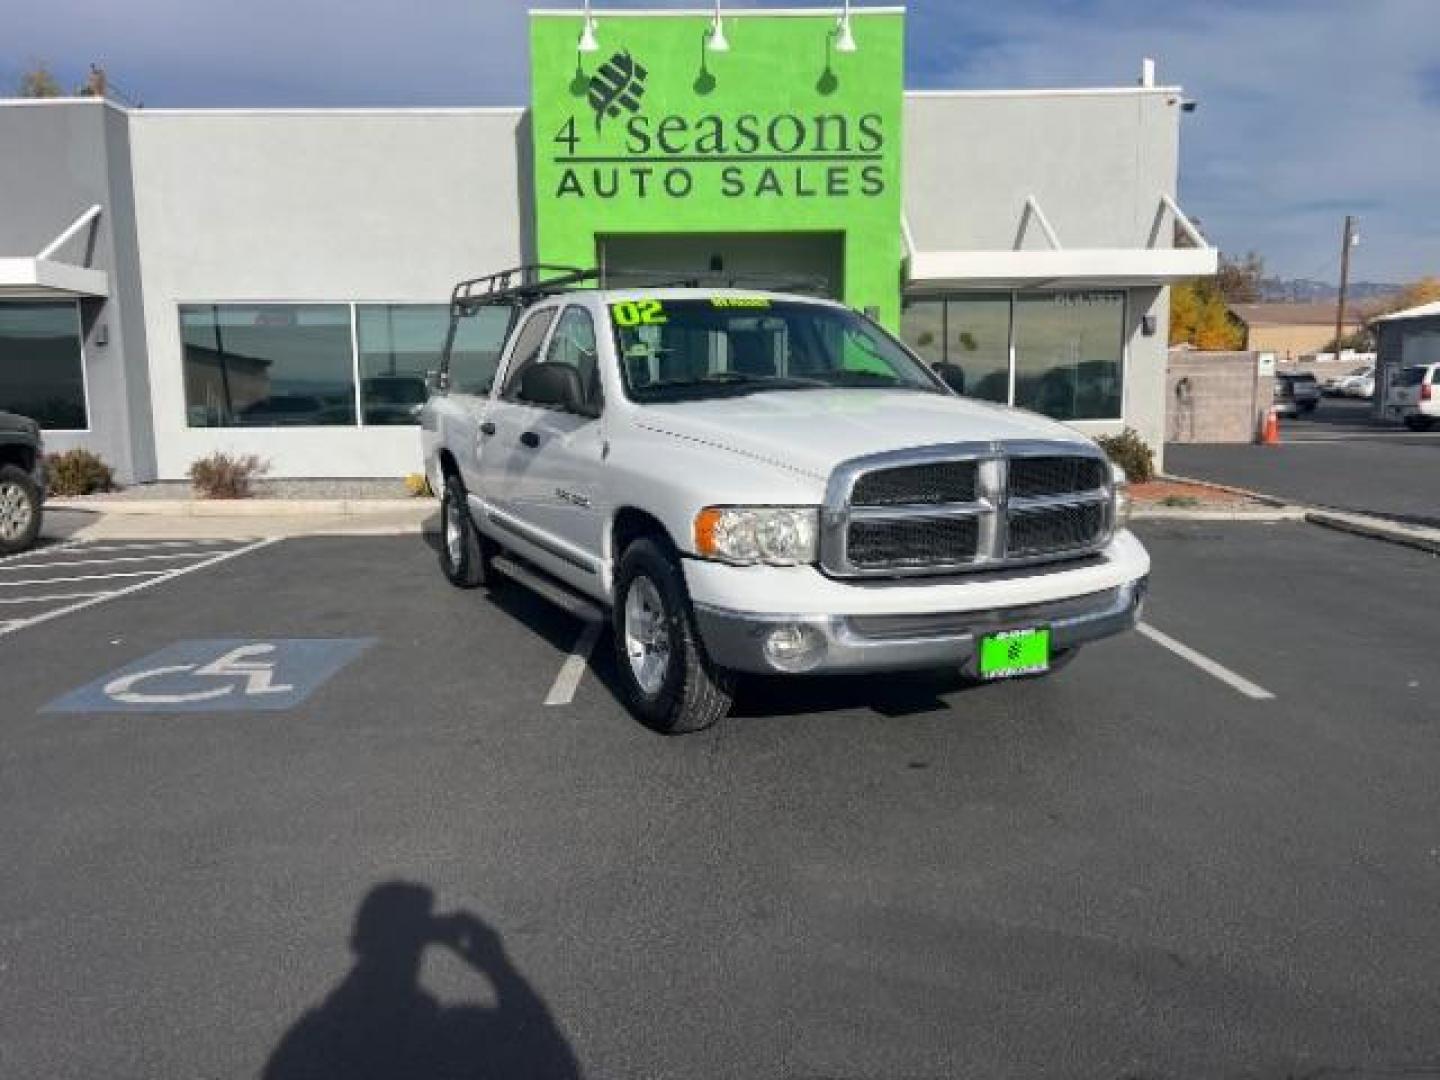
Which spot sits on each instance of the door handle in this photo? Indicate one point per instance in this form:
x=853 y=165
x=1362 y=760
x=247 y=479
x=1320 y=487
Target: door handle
x=530 y=439
x=487 y=428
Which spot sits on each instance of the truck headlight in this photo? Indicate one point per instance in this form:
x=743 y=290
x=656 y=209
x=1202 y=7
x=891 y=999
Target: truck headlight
x=1121 y=483
x=777 y=535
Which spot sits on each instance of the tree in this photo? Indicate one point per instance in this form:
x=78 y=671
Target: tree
x=39 y=82
x=1239 y=279
x=1424 y=291
x=1200 y=317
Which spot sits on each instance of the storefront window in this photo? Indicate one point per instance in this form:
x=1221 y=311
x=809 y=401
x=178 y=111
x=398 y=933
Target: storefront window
x=475 y=356
x=977 y=340
x=42 y=370
x=268 y=365
x=1069 y=348
x=922 y=327
x=399 y=344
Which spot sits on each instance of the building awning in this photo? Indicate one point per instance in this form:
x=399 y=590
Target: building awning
x=1062 y=267
x=45 y=276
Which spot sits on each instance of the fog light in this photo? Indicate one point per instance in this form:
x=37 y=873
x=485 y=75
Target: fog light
x=794 y=647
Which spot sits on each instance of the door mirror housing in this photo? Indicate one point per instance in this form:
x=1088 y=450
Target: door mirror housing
x=952 y=375
x=554 y=386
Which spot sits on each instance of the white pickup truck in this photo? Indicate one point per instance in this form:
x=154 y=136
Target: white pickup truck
x=745 y=481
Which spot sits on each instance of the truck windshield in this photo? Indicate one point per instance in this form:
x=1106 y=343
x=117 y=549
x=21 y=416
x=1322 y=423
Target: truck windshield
x=682 y=350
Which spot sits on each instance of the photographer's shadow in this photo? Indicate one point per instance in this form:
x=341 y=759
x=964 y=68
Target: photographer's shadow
x=379 y=1022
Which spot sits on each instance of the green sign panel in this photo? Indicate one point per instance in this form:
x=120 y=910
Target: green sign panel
x=655 y=135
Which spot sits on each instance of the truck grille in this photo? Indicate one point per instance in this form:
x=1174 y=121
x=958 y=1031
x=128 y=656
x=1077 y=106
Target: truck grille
x=1054 y=529
x=941 y=482
x=966 y=506
x=908 y=542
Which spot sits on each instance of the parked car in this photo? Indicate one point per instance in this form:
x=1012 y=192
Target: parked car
x=1296 y=393
x=1414 y=396
x=747 y=481
x=1357 y=383
x=22 y=482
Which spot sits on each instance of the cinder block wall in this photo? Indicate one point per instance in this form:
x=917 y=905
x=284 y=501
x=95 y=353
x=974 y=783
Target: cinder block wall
x=1214 y=397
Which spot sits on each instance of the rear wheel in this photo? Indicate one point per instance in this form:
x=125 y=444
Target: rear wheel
x=670 y=682
x=464 y=553
x=19 y=510
x=1419 y=423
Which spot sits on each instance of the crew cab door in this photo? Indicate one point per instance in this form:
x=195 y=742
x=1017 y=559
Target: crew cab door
x=451 y=418
x=551 y=508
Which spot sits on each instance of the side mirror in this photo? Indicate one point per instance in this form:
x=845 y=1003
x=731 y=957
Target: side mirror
x=553 y=386
x=952 y=375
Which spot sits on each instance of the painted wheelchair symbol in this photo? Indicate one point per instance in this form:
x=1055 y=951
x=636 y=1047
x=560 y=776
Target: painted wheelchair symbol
x=238 y=669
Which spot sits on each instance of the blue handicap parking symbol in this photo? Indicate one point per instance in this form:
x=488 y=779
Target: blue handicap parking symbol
x=218 y=675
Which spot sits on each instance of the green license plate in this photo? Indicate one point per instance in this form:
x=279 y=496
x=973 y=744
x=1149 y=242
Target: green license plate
x=1015 y=652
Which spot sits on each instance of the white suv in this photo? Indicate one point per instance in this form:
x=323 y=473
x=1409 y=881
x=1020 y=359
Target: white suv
x=1414 y=396
x=744 y=481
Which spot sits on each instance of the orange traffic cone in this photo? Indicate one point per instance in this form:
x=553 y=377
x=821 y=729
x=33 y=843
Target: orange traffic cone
x=1270 y=432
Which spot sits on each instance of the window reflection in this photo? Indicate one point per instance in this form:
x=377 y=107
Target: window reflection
x=1068 y=350
x=267 y=365
x=41 y=367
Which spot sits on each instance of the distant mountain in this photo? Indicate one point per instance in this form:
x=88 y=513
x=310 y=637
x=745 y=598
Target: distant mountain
x=1310 y=291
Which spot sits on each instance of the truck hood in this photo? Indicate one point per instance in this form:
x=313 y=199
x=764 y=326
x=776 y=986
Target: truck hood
x=812 y=431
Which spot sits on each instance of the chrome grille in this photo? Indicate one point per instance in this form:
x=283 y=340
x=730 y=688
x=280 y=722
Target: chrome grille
x=941 y=482
x=1054 y=529
x=1040 y=477
x=965 y=506
x=909 y=542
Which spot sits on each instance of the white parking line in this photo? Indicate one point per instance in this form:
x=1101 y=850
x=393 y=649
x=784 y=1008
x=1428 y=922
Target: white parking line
x=168 y=575
x=79 y=577
x=50 y=599
x=107 y=562
x=1205 y=664
x=562 y=692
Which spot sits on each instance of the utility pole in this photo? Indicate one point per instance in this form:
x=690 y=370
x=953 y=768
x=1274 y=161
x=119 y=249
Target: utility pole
x=1347 y=241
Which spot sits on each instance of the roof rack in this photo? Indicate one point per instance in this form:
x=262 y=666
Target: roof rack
x=523 y=285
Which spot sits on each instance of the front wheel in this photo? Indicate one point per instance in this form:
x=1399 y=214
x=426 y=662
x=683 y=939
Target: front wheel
x=19 y=510
x=670 y=682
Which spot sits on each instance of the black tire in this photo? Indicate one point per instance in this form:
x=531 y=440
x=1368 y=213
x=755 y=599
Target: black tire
x=1419 y=423
x=464 y=553
x=20 y=510
x=692 y=693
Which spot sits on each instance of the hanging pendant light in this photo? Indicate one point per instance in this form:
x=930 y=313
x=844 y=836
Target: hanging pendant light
x=844 y=38
x=588 y=42
x=715 y=40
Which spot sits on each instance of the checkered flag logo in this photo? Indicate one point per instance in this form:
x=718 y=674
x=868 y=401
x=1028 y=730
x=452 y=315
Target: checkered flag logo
x=1014 y=650
x=619 y=83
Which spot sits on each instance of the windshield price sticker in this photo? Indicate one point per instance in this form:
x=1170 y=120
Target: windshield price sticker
x=628 y=313
x=739 y=302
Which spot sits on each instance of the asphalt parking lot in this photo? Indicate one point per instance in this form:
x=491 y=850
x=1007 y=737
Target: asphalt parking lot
x=1339 y=458
x=375 y=850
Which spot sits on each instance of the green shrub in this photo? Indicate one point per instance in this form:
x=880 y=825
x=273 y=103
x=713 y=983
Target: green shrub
x=1129 y=451
x=77 y=472
x=226 y=476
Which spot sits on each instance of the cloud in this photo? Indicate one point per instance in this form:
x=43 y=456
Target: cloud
x=1309 y=109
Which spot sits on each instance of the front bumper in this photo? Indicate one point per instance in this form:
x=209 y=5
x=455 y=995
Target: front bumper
x=898 y=642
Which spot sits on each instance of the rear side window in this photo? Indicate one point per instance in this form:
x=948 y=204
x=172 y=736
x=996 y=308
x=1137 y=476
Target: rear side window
x=1410 y=376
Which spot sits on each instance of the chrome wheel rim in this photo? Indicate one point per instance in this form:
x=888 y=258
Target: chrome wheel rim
x=647 y=635
x=454 y=533
x=15 y=512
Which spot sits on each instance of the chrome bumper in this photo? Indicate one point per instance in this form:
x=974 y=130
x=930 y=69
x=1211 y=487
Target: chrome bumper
x=736 y=639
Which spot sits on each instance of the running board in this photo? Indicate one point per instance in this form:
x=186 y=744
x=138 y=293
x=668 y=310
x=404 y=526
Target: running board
x=549 y=588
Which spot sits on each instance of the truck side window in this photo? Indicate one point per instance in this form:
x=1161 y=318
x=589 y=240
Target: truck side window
x=528 y=340
x=573 y=343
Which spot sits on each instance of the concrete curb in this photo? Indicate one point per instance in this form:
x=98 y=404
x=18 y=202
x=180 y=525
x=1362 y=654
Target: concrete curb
x=1183 y=513
x=245 y=508
x=1394 y=532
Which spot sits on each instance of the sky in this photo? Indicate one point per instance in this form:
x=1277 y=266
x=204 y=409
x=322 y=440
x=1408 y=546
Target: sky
x=1307 y=109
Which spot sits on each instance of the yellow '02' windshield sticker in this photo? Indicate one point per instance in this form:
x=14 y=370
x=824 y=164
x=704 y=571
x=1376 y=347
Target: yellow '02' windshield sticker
x=632 y=313
x=739 y=302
